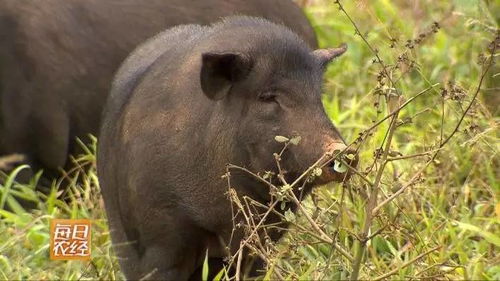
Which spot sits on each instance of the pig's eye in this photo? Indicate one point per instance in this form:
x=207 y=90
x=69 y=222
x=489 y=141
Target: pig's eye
x=267 y=97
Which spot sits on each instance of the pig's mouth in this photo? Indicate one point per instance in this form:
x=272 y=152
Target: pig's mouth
x=337 y=169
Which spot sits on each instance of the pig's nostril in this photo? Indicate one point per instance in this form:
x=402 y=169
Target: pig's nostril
x=336 y=147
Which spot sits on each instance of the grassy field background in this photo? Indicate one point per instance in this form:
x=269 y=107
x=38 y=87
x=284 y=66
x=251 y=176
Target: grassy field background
x=444 y=219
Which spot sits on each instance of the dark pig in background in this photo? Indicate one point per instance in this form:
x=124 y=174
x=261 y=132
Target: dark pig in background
x=58 y=57
x=184 y=105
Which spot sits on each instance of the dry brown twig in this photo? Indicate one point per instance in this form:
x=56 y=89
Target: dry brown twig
x=373 y=207
x=9 y=161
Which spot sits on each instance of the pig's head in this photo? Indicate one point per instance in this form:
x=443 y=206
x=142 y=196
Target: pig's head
x=267 y=82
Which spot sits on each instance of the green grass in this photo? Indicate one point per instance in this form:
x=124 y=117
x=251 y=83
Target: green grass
x=453 y=209
x=24 y=236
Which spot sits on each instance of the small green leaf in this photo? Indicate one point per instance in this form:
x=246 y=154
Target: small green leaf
x=394 y=153
x=490 y=237
x=5 y=264
x=318 y=171
x=477 y=273
x=285 y=188
x=283 y=205
x=15 y=206
x=289 y=215
x=9 y=183
x=296 y=140
x=339 y=167
x=281 y=139
x=269 y=274
x=204 y=273
x=307 y=274
x=349 y=156
x=219 y=275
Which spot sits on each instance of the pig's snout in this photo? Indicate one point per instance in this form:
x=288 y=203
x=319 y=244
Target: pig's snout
x=333 y=167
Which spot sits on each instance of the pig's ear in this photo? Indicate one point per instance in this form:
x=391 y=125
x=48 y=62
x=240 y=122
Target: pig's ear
x=219 y=71
x=325 y=56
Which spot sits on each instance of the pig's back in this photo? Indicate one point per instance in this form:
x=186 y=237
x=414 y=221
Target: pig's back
x=58 y=58
x=133 y=68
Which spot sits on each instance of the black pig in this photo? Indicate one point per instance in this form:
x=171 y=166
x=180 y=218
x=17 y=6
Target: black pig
x=58 y=57
x=185 y=104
